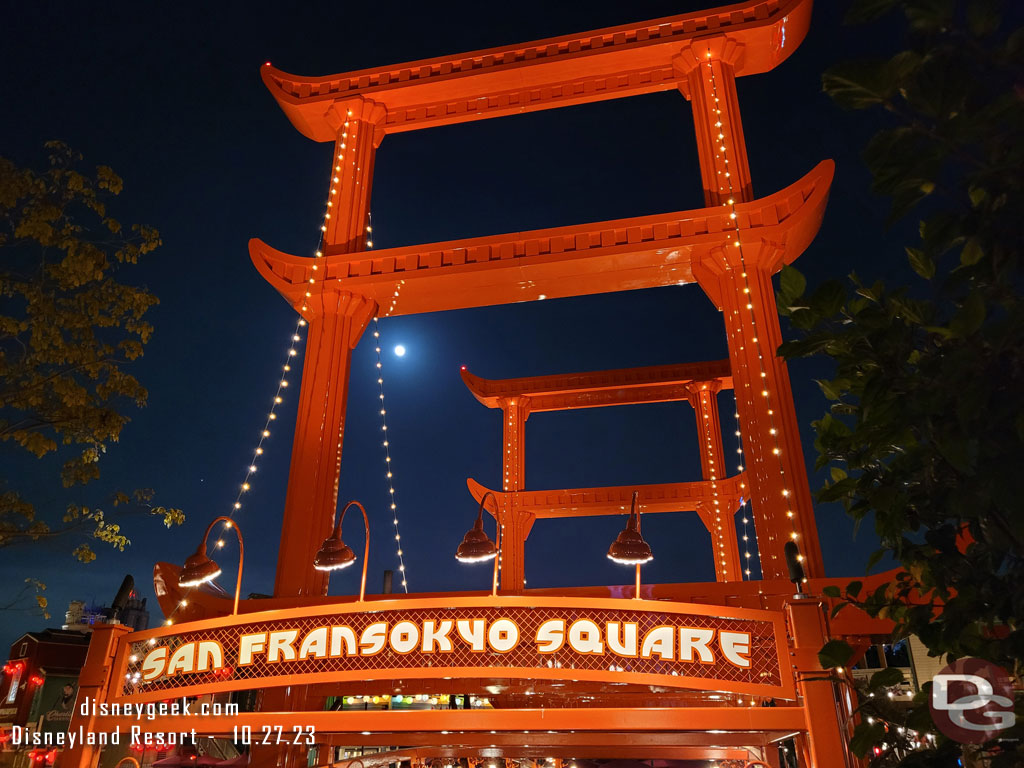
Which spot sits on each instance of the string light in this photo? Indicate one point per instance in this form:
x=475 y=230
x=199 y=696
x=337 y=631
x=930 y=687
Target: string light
x=389 y=470
x=743 y=502
x=258 y=451
x=292 y=352
x=727 y=187
x=718 y=534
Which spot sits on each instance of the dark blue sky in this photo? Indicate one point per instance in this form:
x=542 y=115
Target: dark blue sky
x=170 y=97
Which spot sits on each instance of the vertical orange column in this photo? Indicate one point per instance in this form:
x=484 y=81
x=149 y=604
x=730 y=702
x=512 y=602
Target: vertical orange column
x=825 y=743
x=740 y=279
x=336 y=322
x=93 y=687
x=719 y=515
x=517 y=524
x=709 y=68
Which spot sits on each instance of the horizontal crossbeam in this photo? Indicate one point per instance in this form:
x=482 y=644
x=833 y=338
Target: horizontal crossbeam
x=625 y=254
x=615 y=500
x=626 y=60
x=627 y=386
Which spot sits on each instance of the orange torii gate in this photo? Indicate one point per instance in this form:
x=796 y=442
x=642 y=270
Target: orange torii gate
x=700 y=54
x=721 y=670
x=715 y=499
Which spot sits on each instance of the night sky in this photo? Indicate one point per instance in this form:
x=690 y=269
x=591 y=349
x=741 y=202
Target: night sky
x=170 y=97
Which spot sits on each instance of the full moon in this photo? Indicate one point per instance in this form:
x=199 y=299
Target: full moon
x=399 y=350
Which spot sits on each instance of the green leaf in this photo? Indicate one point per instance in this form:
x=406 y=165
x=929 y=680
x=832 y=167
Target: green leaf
x=866 y=736
x=827 y=389
x=875 y=559
x=972 y=252
x=887 y=678
x=837 y=474
x=853 y=589
x=970 y=316
x=830 y=591
x=921 y=263
x=858 y=84
x=792 y=282
x=828 y=298
x=835 y=653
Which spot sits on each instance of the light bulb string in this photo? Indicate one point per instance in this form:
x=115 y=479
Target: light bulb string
x=718 y=534
x=737 y=243
x=292 y=352
x=258 y=452
x=389 y=470
x=743 y=500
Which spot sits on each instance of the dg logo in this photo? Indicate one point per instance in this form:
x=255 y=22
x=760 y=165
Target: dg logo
x=972 y=701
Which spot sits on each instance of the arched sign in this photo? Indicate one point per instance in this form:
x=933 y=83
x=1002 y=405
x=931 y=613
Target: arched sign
x=645 y=642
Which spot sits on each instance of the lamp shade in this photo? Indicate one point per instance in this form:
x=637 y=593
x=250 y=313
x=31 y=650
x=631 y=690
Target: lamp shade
x=476 y=546
x=198 y=569
x=629 y=547
x=333 y=555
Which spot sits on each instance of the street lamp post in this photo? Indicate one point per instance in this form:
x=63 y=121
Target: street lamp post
x=629 y=547
x=476 y=547
x=199 y=568
x=334 y=554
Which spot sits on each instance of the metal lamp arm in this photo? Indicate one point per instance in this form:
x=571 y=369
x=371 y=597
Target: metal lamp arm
x=366 y=551
x=497 y=536
x=241 y=551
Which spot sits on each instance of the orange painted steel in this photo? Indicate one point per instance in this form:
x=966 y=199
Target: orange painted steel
x=627 y=386
x=614 y=500
x=624 y=254
x=609 y=63
x=584 y=710
x=752 y=323
x=765 y=675
x=718 y=513
x=761 y=594
x=518 y=398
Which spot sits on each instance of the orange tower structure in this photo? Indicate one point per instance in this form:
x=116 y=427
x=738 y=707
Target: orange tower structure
x=730 y=248
x=683 y=672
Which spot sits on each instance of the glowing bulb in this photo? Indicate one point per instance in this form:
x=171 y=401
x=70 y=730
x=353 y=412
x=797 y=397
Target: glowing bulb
x=399 y=351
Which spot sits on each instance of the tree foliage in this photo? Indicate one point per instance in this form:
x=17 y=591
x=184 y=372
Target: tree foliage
x=925 y=433
x=68 y=330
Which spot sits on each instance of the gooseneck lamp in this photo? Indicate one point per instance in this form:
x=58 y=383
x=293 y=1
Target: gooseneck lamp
x=199 y=568
x=334 y=554
x=476 y=547
x=629 y=547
